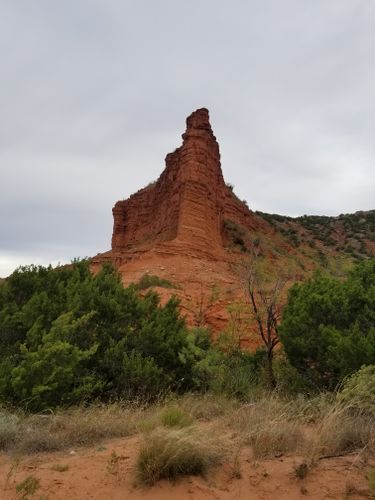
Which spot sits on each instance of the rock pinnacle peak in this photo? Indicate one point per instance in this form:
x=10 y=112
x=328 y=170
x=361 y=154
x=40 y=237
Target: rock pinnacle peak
x=187 y=206
x=198 y=119
x=198 y=124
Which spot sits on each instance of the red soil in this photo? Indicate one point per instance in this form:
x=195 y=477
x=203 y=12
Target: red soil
x=90 y=474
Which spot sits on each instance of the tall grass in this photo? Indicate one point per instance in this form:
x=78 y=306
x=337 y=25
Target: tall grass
x=340 y=431
x=178 y=432
x=79 y=426
x=269 y=426
x=316 y=428
x=9 y=429
x=170 y=453
x=208 y=406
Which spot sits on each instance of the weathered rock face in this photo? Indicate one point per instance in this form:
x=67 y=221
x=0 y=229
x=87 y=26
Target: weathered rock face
x=190 y=228
x=189 y=202
x=177 y=228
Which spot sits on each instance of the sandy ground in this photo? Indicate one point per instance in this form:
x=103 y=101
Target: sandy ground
x=92 y=474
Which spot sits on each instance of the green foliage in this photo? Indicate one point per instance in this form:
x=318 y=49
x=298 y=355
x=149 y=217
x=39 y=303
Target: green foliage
x=301 y=470
x=150 y=280
x=356 y=228
x=328 y=326
x=291 y=234
x=173 y=416
x=289 y=381
x=236 y=374
x=358 y=390
x=28 y=487
x=68 y=336
x=236 y=234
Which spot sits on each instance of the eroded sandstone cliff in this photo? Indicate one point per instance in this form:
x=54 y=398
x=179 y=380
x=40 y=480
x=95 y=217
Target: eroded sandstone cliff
x=189 y=203
x=190 y=228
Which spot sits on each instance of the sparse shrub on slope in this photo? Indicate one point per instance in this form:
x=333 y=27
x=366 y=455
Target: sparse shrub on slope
x=150 y=280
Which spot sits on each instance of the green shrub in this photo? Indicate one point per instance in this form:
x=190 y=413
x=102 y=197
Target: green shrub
x=68 y=336
x=237 y=374
x=289 y=380
x=150 y=280
x=236 y=234
x=28 y=487
x=173 y=416
x=328 y=328
x=358 y=391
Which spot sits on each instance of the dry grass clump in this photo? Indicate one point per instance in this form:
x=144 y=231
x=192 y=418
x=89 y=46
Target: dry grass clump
x=168 y=414
x=182 y=411
x=171 y=453
x=28 y=487
x=276 y=439
x=311 y=409
x=9 y=428
x=269 y=426
x=173 y=416
x=340 y=431
x=207 y=406
x=316 y=428
x=77 y=427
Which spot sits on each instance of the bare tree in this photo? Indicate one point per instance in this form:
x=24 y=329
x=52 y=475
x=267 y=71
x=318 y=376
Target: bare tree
x=264 y=295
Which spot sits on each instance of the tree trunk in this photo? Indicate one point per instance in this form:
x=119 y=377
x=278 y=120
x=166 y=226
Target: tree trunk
x=271 y=375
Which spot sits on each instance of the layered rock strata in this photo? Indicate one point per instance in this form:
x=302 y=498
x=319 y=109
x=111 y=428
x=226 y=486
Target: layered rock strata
x=177 y=228
x=187 y=205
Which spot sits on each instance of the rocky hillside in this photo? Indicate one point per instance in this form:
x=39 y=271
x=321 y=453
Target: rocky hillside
x=189 y=229
x=353 y=234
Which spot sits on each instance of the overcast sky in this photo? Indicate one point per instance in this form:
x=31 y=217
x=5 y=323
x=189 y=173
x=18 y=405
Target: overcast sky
x=94 y=94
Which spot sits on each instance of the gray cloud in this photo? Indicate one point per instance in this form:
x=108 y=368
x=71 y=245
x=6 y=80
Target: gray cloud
x=94 y=95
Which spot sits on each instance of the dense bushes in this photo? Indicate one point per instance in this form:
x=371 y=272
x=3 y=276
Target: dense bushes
x=328 y=326
x=68 y=336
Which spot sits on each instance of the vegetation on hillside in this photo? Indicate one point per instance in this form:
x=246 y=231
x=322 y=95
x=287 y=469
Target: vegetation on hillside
x=67 y=336
x=351 y=234
x=110 y=361
x=150 y=280
x=328 y=327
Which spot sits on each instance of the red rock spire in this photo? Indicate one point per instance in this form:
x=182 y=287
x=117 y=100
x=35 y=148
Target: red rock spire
x=187 y=205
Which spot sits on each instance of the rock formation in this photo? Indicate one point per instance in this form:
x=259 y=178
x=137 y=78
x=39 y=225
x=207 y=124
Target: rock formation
x=188 y=204
x=189 y=227
x=176 y=227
